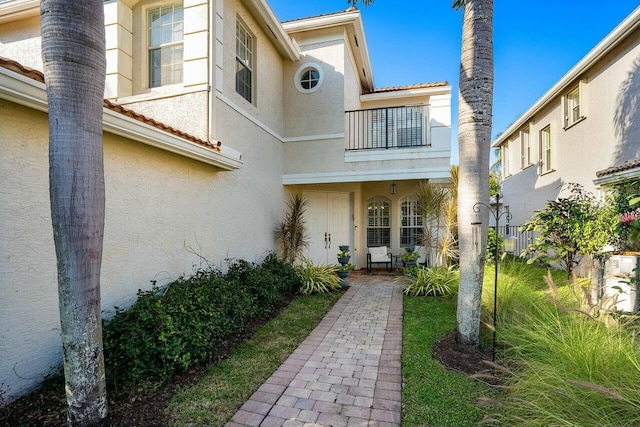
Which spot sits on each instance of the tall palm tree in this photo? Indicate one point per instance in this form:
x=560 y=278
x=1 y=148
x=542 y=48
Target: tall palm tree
x=73 y=52
x=474 y=140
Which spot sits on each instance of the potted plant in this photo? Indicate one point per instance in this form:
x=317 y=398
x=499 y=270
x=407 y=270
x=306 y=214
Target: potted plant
x=344 y=255
x=409 y=257
x=343 y=272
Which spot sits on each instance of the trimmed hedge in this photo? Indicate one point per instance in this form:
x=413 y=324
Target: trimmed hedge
x=169 y=329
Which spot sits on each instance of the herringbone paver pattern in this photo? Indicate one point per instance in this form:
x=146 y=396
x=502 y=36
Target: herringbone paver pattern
x=346 y=373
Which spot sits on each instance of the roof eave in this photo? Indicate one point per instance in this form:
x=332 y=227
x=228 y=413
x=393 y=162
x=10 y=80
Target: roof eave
x=629 y=24
x=350 y=18
x=18 y=9
x=266 y=18
x=616 y=177
x=30 y=93
x=406 y=93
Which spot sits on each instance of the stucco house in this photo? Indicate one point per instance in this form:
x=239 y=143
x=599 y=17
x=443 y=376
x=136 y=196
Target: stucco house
x=584 y=129
x=215 y=112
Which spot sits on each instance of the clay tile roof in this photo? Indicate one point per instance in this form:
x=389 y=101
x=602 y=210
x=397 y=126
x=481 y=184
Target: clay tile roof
x=410 y=87
x=39 y=76
x=631 y=164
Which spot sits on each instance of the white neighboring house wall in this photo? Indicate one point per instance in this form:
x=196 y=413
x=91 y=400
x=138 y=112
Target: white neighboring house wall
x=602 y=132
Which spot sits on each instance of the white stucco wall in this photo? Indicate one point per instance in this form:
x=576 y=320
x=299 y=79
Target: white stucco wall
x=21 y=41
x=160 y=207
x=590 y=145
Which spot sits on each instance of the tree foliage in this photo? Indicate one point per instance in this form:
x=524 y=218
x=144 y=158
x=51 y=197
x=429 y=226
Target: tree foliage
x=570 y=228
x=291 y=233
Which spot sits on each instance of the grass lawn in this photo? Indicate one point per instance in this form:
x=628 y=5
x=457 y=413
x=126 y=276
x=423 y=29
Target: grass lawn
x=432 y=395
x=227 y=385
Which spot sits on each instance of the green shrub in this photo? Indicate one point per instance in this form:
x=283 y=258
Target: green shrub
x=317 y=279
x=492 y=241
x=435 y=281
x=169 y=329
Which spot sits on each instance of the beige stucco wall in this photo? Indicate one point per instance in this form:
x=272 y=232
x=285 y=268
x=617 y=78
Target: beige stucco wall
x=161 y=209
x=267 y=103
x=581 y=150
x=20 y=41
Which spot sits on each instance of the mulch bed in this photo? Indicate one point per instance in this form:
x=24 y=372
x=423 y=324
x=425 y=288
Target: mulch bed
x=476 y=364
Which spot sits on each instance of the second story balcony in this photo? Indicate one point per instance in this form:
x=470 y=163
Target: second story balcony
x=387 y=128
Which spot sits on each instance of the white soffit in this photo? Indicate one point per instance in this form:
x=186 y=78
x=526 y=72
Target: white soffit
x=270 y=24
x=18 y=9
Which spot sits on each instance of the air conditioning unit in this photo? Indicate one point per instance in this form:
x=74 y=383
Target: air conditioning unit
x=625 y=293
x=620 y=265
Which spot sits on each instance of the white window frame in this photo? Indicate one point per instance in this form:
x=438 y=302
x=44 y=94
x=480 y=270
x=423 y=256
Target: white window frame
x=545 y=150
x=379 y=218
x=411 y=219
x=245 y=60
x=302 y=70
x=505 y=160
x=173 y=46
x=525 y=148
x=573 y=106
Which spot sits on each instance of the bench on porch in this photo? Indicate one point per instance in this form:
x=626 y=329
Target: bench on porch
x=378 y=255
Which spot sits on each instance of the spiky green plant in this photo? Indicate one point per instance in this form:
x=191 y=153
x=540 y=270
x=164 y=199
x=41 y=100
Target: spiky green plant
x=435 y=281
x=317 y=279
x=291 y=233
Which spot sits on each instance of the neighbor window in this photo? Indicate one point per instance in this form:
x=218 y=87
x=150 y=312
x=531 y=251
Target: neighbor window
x=411 y=230
x=165 y=29
x=572 y=107
x=505 y=160
x=244 y=61
x=308 y=78
x=525 y=148
x=378 y=222
x=545 y=150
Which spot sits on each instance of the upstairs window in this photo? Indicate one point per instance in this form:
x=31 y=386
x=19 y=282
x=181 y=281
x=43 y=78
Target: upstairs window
x=244 y=62
x=525 y=148
x=411 y=229
x=545 y=150
x=378 y=222
x=505 y=160
x=572 y=107
x=165 y=28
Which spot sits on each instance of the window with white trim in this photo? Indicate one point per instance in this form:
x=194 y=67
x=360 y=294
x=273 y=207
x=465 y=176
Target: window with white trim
x=505 y=160
x=244 y=61
x=525 y=148
x=165 y=29
x=378 y=222
x=545 y=150
x=572 y=109
x=411 y=226
x=308 y=78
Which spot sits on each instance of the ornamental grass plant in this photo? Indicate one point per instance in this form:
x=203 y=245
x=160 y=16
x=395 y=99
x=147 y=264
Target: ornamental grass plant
x=569 y=363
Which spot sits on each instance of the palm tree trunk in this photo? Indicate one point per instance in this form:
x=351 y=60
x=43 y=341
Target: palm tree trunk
x=474 y=139
x=73 y=50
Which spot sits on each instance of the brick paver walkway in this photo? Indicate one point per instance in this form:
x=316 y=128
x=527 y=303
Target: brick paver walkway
x=346 y=373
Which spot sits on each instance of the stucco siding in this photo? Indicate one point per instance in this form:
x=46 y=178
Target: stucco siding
x=608 y=134
x=163 y=211
x=20 y=40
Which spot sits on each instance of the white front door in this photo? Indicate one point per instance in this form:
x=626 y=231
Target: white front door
x=328 y=220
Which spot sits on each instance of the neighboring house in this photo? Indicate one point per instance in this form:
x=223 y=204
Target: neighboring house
x=215 y=113
x=588 y=122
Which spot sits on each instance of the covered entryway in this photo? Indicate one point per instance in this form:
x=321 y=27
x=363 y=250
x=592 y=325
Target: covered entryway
x=328 y=218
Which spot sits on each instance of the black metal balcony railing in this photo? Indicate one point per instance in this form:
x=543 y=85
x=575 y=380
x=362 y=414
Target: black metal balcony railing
x=384 y=128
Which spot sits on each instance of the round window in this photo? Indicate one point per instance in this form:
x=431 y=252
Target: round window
x=308 y=78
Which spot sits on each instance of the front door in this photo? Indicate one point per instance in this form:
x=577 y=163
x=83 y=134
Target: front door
x=328 y=220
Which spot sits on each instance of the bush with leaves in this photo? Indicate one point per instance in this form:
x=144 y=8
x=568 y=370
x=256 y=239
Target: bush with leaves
x=169 y=329
x=434 y=281
x=291 y=232
x=492 y=241
x=570 y=228
x=317 y=279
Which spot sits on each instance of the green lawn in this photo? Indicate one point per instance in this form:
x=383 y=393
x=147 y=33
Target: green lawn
x=431 y=395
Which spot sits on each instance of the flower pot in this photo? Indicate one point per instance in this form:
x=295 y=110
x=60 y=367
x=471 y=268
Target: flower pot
x=410 y=264
x=344 y=260
x=343 y=274
x=344 y=247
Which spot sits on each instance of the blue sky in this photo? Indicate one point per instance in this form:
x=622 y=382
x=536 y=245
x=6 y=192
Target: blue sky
x=535 y=42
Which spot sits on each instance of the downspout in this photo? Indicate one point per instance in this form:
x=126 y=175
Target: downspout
x=211 y=87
